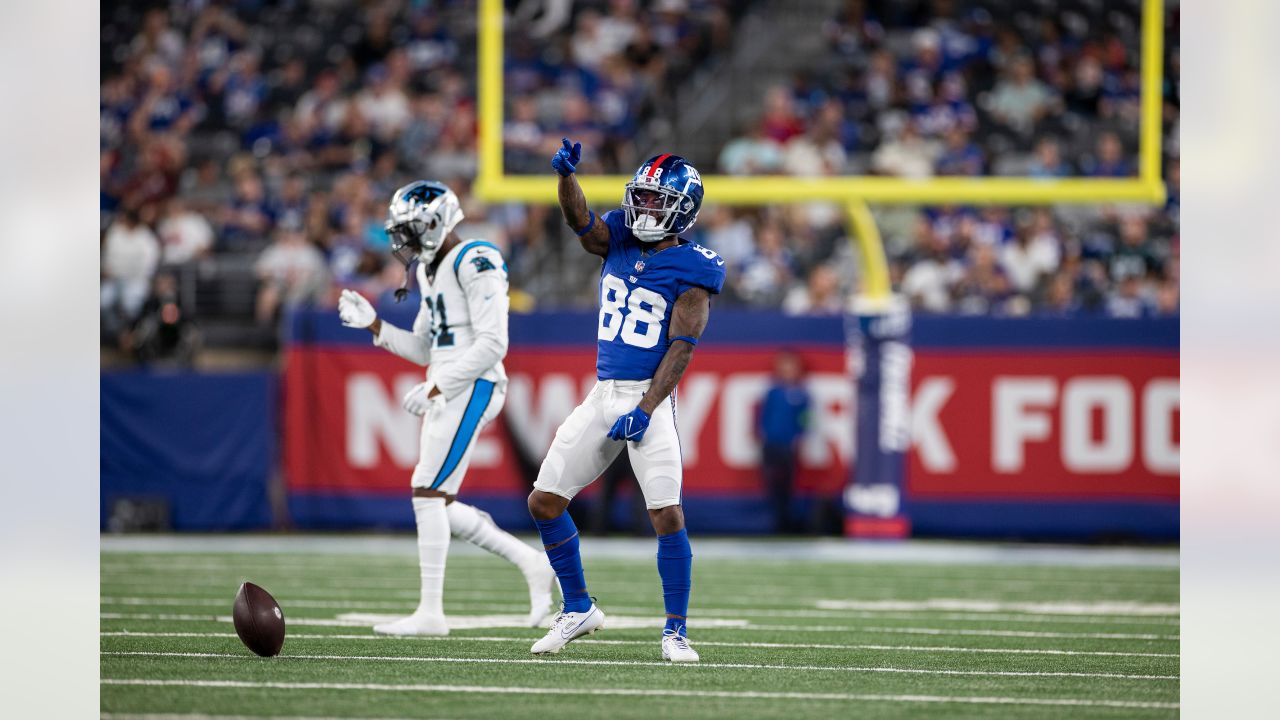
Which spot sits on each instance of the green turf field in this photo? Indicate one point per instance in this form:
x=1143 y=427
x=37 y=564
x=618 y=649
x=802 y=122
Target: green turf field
x=788 y=637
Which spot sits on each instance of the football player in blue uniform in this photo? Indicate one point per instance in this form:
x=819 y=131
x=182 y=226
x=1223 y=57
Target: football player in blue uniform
x=655 y=298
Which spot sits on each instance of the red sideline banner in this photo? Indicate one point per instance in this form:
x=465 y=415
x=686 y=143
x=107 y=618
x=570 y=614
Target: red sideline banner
x=1037 y=425
x=985 y=425
x=345 y=430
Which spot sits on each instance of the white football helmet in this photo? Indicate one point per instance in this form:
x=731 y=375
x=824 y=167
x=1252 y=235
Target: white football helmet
x=420 y=217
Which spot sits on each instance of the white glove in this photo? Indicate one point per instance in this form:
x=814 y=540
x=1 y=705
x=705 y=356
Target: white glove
x=417 y=401
x=355 y=311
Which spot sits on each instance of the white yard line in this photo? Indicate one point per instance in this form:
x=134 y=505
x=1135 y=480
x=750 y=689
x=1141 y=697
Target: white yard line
x=893 y=608
x=305 y=568
x=335 y=622
x=699 y=643
x=820 y=550
x=291 y=599
x=203 y=716
x=1068 y=607
x=641 y=663
x=645 y=692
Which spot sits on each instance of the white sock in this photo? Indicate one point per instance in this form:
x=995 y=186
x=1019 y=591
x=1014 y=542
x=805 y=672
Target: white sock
x=476 y=527
x=433 y=548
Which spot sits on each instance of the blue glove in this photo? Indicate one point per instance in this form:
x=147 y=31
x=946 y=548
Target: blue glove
x=566 y=158
x=630 y=426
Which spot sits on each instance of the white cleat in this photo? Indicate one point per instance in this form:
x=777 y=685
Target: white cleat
x=415 y=624
x=675 y=647
x=569 y=626
x=541 y=579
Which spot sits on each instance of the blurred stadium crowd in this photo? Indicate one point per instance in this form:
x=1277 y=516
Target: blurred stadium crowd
x=248 y=148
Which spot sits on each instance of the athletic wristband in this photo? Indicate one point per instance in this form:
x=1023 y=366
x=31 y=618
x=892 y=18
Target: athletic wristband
x=691 y=340
x=590 y=225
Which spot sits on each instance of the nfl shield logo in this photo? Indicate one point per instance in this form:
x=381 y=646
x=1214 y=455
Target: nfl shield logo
x=639 y=266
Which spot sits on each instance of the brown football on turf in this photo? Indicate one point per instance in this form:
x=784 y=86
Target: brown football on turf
x=258 y=619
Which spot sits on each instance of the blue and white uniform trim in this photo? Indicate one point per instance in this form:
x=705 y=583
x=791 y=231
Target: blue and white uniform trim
x=457 y=259
x=481 y=395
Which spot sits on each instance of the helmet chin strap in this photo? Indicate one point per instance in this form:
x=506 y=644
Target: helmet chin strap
x=402 y=292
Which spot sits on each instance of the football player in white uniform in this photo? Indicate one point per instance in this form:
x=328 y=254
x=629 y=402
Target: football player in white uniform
x=460 y=334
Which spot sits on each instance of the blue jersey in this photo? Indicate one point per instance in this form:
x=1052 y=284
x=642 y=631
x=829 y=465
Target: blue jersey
x=638 y=290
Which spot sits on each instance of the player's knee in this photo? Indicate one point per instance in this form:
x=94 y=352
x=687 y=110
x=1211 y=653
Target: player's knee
x=667 y=520
x=545 y=506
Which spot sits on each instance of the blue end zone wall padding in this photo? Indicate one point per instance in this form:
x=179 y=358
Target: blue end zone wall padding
x=203 y=443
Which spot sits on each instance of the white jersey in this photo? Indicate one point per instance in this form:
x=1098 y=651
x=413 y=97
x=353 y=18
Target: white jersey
x=461 y=328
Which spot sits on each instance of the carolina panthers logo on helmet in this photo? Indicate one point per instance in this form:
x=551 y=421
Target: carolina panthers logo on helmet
x=421 y=215
x=663 y=198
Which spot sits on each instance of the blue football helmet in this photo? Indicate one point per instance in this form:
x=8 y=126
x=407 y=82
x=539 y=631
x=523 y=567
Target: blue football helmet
x=663 y=198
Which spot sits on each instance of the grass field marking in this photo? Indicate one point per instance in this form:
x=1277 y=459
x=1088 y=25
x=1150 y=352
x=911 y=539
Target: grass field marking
x=335 y=622
x=618 y=571
x=1108 y=608
x=450 y=598
x=958 y=631
x=700 y=643
x=203 y=716
x=642 y=663
x=411 y=597
x=638 y=692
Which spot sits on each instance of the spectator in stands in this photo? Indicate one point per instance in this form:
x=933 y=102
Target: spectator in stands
x=1033 y=254
x=983 y=288
x=185 y=235
x=820 y=295
x=1019 y=101
x=853 y=32
x=927 y=282
x=729 y=234
x=1136 y=254
x=818 y=152
x=960 y=155
x=1166 y=298
x=292 y=274
x=165 y=107
x=1060 y=297
x=383 y=104
x=765 y=276
x=780 y=122
x=780 y=423
x=164 y=331
x=522 y=137
x=1047 y=160
x=906 y=154
x=247 y=220
x=1110 y=160
x=754 y=153
x=1129 y=299
x=130 y=255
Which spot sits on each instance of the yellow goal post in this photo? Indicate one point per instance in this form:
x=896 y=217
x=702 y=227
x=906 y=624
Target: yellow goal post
x=853 y=192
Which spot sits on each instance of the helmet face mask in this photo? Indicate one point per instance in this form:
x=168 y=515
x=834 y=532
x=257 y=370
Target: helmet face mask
x=420 y=217
x=662 y=199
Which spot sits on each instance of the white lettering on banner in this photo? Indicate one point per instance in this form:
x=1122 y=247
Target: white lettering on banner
x=927 y=433
x=879 y=500
x=739 y=444
x=533 y=427
x=895 y=375
x=375 y=417
x=697 y=394
x=1159 y=401
x=1080 y=452
x=832 y=423
x=1019 y=415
